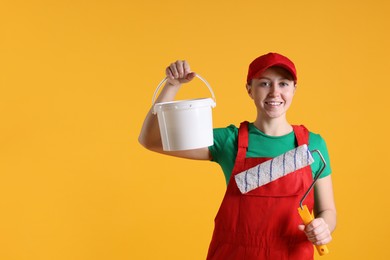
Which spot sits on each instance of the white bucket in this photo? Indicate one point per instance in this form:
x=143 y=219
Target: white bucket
x=185 y=124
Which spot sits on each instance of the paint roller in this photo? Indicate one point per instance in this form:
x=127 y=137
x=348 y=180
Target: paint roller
x=304 y=212
x=278 y=167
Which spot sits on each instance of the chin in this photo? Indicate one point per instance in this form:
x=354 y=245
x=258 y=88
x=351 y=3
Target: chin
x=275 y=115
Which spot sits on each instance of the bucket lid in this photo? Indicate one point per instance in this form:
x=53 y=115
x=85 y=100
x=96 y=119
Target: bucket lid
x=184 y=104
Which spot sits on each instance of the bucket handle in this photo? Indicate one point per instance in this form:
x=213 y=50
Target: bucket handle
x=166 y=78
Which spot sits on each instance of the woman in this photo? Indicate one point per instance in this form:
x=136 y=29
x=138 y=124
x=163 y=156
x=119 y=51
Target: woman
x=264 y=223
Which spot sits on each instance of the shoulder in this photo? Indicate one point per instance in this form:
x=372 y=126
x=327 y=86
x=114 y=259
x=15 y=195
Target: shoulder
x=316 y=141
x=225 y=141
x=223 y=133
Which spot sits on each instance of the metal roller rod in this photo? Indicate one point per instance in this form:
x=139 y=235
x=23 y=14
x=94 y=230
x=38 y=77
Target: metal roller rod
x=315 y=177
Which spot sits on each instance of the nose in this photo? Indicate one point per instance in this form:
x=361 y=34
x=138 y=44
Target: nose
x=274 y=90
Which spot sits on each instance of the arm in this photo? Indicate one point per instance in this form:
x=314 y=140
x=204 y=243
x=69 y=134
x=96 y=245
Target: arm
x=320 y=229
x=177 y=73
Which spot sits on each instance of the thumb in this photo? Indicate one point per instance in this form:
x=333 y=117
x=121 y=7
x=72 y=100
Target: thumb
x=190 y=76
x=301 y=227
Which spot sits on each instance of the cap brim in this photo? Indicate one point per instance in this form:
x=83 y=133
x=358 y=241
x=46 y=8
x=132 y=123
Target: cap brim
x=257 y=74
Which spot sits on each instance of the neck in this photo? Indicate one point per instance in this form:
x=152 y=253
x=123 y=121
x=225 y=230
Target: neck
x=273 y=127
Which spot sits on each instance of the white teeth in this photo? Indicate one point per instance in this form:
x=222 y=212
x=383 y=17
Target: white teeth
x=274 y=103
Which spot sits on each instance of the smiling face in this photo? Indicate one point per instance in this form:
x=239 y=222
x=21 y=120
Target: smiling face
x=272 y=93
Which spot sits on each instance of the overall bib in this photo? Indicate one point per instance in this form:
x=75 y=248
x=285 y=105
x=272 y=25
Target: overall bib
x=263 y=223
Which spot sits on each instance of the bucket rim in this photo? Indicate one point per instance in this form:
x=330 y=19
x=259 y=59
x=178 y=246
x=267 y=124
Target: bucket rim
x=184 y=104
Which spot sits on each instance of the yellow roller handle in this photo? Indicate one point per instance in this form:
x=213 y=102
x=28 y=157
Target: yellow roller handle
x=307 y=217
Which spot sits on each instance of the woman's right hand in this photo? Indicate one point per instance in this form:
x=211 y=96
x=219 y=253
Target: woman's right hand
x=179 y=72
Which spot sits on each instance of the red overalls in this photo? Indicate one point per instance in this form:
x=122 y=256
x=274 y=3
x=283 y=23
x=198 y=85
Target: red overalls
x=263 y=223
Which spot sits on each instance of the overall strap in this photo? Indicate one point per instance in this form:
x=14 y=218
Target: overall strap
x=302 y=134
x=242 y=142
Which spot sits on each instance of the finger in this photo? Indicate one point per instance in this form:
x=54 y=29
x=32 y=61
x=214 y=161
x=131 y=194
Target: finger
x=301 y=227
x=317 y=231
x=318 y=235
x=168 y=73
x=180 y=68
x=314 y=224
x=323 y=241
x=174 y=71
x=321 y=235
x=186 y=67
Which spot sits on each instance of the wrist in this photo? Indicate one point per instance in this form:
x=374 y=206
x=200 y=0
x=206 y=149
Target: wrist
x=168 y=93
x=174 y=85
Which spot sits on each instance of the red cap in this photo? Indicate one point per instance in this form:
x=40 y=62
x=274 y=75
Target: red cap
x=260 y=64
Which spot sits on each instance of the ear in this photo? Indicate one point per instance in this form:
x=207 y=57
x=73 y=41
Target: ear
x=295 y=88
x=249 y=90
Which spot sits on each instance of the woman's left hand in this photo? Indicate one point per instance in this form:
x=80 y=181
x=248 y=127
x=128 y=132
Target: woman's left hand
x=317 y=232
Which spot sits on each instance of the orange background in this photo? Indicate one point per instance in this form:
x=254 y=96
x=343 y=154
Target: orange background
x=77 y=78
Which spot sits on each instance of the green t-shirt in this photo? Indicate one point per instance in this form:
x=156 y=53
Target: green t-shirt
x=224 y=149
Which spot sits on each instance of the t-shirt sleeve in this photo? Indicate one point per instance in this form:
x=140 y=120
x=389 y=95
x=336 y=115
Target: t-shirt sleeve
x=316 y=142
x=224 y=149
x=222 y=139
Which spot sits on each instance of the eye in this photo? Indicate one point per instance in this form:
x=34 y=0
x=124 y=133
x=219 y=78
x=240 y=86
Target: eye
x=264 y=84
x=284 y=84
